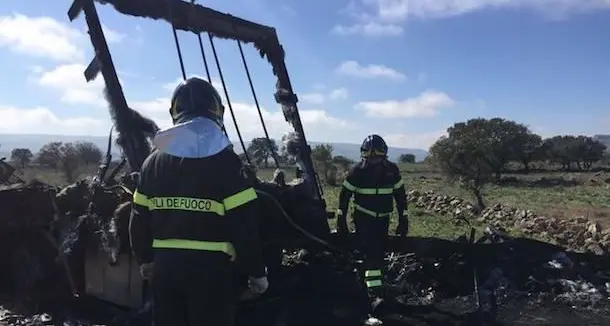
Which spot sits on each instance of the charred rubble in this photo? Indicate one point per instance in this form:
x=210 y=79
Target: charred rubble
x=46 y=230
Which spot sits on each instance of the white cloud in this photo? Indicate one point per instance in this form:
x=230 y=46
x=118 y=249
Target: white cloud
x=423 y=140
x=338 y=94
x=319 y=87
x=47 y=37
x=314 y=98
x=369 y=29
x=113 y=36
x=386 y=17
x=399 y=10
x=41 y=37
x=426 y=104
x=42 y=120
x=70 y=82
x=353 y=68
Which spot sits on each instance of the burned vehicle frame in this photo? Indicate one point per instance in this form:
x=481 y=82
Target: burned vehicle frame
x=302 y=254
x=299 y=220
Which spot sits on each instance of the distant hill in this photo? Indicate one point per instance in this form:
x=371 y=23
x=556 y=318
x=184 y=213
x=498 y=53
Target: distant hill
x=35 y=142
x=605 y=139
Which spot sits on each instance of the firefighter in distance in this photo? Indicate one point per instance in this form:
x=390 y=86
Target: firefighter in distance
x=375 y=183
x=194 y=218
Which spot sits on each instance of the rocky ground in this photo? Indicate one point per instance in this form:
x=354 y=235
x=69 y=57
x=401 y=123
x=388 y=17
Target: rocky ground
x=577 y=233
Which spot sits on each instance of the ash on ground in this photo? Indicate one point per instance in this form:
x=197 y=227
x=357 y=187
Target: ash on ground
x=517 y=287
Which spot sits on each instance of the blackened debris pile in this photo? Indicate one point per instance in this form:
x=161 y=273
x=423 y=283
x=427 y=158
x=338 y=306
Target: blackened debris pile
x=431 y=282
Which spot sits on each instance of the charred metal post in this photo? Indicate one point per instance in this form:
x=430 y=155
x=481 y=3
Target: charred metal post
x=132 y=142
x=102 y=62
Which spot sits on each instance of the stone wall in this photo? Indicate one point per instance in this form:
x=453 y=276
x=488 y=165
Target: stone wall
x=577 y=233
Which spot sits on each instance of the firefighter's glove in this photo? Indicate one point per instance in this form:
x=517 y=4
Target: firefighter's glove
x=341 y=223
x=146 y=271
x=403 y=226
x=258 y=285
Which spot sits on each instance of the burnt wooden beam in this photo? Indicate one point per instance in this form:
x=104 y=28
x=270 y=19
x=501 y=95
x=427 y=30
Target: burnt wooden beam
x=194 y=18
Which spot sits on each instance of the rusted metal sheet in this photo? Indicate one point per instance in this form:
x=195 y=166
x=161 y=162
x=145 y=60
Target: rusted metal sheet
x=120 y=284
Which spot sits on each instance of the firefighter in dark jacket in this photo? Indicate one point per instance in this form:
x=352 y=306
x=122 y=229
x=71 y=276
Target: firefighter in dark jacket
x=375 y=183
x=194 y=214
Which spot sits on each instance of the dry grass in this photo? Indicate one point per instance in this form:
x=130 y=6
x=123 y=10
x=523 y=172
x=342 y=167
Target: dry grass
x=552 y=194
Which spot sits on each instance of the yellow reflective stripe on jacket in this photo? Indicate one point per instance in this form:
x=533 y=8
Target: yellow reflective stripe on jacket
x=195 y=204
x=239 y=199
x=179 y=203
x=225 y=247
x=367 y=191
x=372 y=273
x=370 y=212
x=399 y=184
x=348 y=186
x=140 y=199
x=372 y=284
x=187 y=204
x=374 y=191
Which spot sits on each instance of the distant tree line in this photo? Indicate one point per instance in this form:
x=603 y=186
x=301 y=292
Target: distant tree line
x=261 y=152
x=478 y=151
x=66 y=158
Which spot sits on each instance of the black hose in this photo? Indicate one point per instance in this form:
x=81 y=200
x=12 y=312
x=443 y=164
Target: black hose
x=298 y=227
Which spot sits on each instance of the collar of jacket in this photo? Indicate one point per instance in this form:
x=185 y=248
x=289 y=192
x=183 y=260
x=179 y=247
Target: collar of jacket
x=196 y=138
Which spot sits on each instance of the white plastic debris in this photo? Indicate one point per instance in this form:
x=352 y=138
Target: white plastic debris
x=372 y=321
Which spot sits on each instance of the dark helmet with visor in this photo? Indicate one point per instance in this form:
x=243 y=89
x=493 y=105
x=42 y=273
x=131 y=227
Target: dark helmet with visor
x=195 y=97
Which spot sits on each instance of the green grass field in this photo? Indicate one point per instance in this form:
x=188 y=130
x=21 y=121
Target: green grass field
x=552 y=194
x=549 y=194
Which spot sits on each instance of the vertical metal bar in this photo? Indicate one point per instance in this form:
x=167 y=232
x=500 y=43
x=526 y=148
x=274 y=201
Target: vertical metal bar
x=260 y=114
x=177 y=43
x=111 y=79
x=284 y=82
x=116 y=97
x=224 y=86
x=102 y=53
x=205 y=61
x=179 y=53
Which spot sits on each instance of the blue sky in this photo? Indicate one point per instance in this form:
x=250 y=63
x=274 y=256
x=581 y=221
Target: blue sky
x=406 y=69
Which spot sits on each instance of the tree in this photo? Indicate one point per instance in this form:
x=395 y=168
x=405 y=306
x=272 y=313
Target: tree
x=286 y=157
x=466 y=155
x=568 y=150
x=88 y=152
x=343 y=162
x=507 y=139
x=322 y=156
x=261 y=150
x=555 y=151
x=592 y=151
x=527 y=149
x=407 y=158
x=63 y=157
x=22 y=156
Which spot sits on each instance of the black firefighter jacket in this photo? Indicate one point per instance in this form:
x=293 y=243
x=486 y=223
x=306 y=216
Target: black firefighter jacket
x=192 y=196
x=374 y=187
